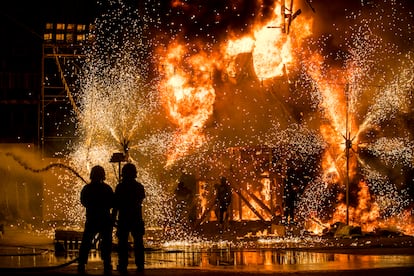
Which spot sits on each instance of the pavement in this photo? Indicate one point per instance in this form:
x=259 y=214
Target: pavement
x=71 y=270
x=385 y=255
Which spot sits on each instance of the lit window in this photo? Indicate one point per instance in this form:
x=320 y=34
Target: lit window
x=49 y=26
x=69 y=37
x=60 y=26
x=80 y=27
x=80 y=37
x=70 y=27
x=47 y=37
x=60 y=37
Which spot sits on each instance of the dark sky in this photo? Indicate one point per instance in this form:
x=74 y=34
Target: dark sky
x=30 y=16
x=197 y=17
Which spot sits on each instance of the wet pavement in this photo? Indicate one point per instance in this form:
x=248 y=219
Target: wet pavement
x=23 y=253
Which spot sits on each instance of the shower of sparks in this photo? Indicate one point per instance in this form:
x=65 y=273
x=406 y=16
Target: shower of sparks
x=296 y=141
x=373 y=101
x=394 y=151
x=175 y=87
x=119 y=103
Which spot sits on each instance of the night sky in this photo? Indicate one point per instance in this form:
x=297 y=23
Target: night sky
x=212 y=19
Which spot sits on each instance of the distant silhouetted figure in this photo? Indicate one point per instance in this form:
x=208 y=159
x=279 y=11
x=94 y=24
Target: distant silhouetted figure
x=223 y=199
x=289 y=205
x=183 y=197
x=129 y=194
x=98 y=199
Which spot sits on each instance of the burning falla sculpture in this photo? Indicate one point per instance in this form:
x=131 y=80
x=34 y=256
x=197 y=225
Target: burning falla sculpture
x=266 y=108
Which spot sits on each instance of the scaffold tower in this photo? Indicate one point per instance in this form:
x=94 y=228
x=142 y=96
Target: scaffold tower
x=62 y=60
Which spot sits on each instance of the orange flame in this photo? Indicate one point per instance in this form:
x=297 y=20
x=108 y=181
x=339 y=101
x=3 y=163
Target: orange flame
x=272 y=49
x=188 y=96
x=187 y=88
x=365 y=214
x=330 y=85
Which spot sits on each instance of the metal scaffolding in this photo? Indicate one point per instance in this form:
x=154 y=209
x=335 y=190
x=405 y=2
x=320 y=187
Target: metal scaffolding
x=62 y=58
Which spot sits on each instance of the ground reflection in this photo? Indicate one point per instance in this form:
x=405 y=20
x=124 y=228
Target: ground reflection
x=270 y=259
x=213 y=258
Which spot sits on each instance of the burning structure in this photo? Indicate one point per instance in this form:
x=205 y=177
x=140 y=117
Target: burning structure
x=266 y=93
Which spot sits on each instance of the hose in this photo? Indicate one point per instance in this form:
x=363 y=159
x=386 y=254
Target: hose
x=4 y=270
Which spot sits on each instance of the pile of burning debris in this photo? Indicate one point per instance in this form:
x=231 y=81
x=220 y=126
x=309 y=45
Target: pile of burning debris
x=342 y=230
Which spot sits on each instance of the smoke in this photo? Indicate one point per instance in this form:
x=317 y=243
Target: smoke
x=21 y=190
x=31 y=186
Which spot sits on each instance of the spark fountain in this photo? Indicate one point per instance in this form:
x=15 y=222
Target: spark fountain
x=268 y=99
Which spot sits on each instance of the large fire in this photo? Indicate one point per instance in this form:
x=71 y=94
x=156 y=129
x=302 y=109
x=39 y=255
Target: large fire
x=188 y=95
x=323 y=113
x=188 y=91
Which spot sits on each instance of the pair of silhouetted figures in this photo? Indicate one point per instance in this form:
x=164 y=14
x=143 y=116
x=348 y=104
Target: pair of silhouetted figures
x=105 y=209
